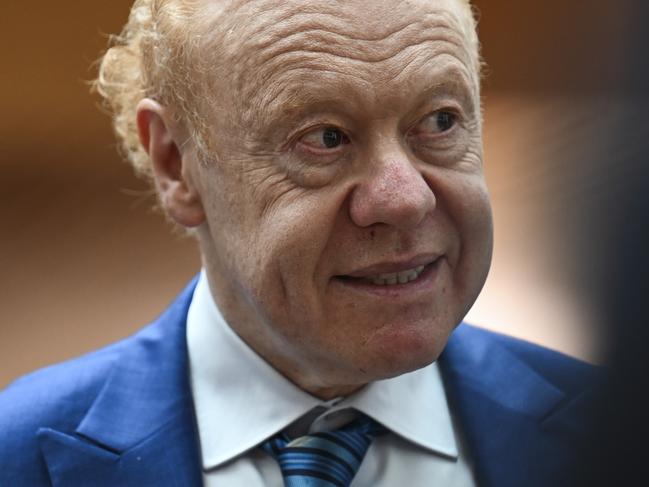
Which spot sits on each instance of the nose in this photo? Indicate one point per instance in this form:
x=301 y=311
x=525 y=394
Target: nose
x=395 y=194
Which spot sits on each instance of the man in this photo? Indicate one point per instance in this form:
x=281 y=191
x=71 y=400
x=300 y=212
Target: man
x=328 y=158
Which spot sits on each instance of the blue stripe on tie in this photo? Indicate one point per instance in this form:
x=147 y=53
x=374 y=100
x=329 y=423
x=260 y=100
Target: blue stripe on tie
x=324 y=459
x=357 y=452
x=332 y=448
x=355 y=440
x=306 y=478
x=308 y=454
x=325 y=467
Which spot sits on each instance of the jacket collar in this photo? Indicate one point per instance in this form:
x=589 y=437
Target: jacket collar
x=140 y=430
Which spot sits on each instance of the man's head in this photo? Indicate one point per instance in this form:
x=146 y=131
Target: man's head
x=329 y=155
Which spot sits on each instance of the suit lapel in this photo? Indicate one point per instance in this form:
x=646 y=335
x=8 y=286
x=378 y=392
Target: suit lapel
x=141 y=429
x=168 y=458
x=510 y=415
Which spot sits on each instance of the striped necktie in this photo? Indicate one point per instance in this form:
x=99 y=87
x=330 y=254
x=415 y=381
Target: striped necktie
x=329 y=459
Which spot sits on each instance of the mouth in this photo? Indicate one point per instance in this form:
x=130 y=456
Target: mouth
x=392 y=276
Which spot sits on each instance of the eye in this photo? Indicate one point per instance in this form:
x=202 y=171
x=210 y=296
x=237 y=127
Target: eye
x=437 y=122
x=326 y=138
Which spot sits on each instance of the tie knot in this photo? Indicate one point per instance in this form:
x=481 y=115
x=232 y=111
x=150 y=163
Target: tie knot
x=324 y=459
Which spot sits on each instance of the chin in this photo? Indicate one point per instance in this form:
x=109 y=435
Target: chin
x=406 y=351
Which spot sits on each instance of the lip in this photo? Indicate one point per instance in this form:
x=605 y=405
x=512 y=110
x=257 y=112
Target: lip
x=409 y=292
x=391 y=267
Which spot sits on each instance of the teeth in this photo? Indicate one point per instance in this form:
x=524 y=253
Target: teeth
x=397 y=277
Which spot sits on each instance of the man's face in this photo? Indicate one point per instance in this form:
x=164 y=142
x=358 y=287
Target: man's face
x=348 y=226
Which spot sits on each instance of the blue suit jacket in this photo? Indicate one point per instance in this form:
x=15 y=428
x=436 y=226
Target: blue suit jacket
x=123 y=416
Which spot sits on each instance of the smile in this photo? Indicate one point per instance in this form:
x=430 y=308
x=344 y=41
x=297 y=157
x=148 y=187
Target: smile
x=393 y=278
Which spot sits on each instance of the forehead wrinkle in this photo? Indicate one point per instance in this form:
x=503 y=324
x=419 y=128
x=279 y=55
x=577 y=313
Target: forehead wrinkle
x=275 y=33
x=304 y=15
x=285 y=82
x=319 y=39
x=299 y=22
x=262 y=24
x=274 y=73
x=280 y=41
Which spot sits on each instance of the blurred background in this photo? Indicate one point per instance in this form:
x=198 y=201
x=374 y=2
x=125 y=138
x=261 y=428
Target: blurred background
x=85 y=261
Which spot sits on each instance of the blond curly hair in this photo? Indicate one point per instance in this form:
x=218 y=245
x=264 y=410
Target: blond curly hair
x=153 y=57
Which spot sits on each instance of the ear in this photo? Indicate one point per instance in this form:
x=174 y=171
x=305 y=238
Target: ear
x=171 y=163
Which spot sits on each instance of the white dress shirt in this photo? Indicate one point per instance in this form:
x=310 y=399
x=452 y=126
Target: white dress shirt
x=241 y=400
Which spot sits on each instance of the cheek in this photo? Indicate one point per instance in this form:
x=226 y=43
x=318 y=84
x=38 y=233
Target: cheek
x=473 y=218
x=290 y=239
x=477 y=220
x=268 y=229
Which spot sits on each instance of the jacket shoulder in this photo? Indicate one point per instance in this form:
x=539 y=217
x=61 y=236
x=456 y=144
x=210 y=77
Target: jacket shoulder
x=60 y=397
x=56 y=397
x=519 y=401
x=567 y=373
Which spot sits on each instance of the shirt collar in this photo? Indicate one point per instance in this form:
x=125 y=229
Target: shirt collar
x=240 y=400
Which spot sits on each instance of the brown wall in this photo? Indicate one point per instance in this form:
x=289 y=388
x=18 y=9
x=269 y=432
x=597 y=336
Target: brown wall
x=84 y=261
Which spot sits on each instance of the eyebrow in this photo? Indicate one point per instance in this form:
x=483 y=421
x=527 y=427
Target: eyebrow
x=458 y=86
x=294 y=101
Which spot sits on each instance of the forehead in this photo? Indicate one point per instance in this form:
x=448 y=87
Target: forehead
x=269 y=49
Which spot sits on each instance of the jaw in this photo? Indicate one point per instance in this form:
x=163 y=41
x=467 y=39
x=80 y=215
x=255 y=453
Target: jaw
x=333 y=340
